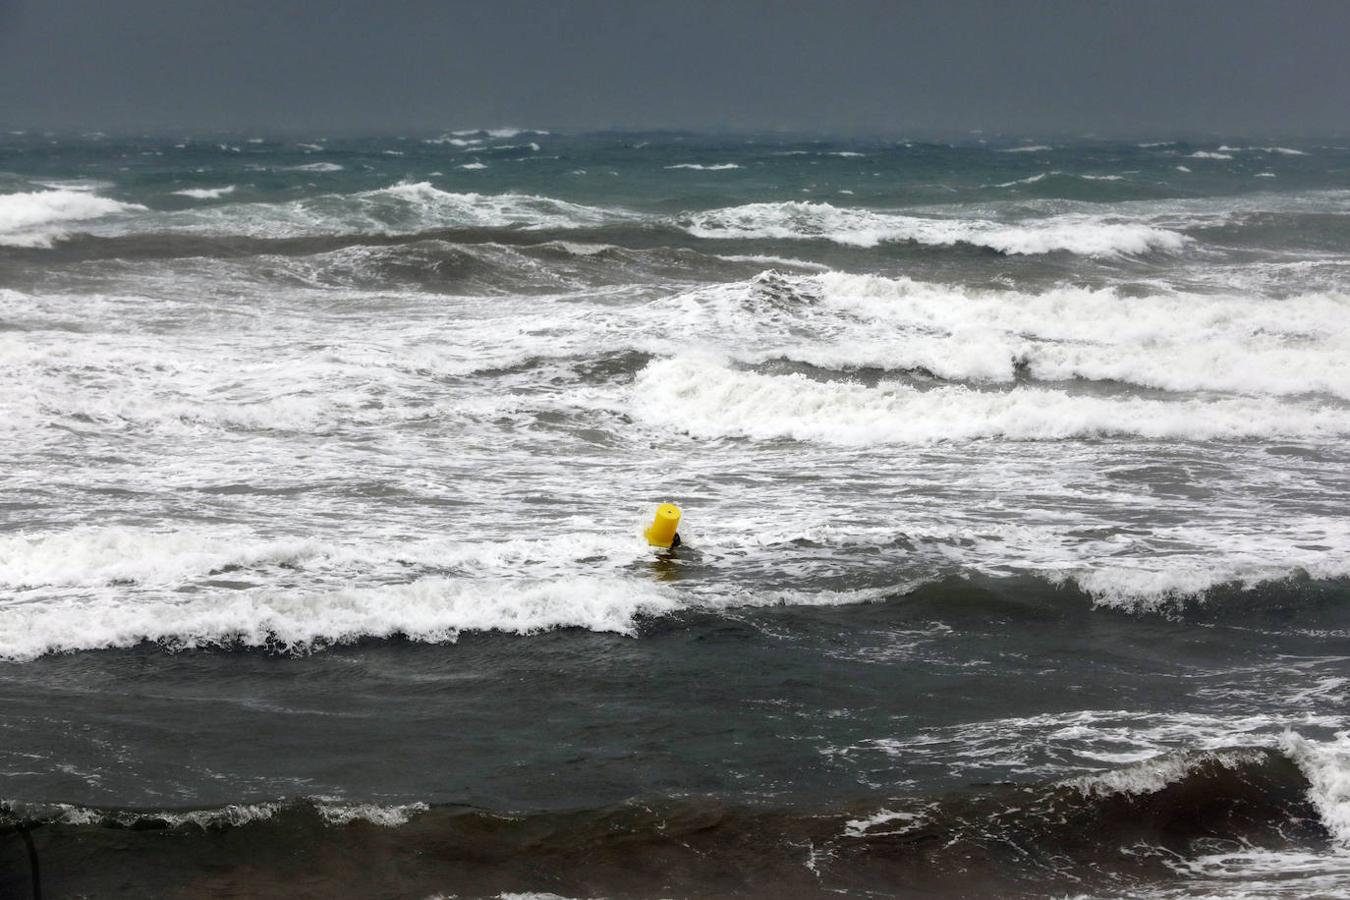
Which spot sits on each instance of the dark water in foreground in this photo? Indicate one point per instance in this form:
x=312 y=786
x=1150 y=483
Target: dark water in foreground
x=1014 y=479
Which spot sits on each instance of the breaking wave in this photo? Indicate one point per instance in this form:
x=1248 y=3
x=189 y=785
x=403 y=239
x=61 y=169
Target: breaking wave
x=194 y=588
x=406 y=208
x=1282 y=151
x=429 y=610
x=706 y=398
x=40 y=218
x=1178 y=342
x=30 y=220
x=206 y=193
x=410 y=208
x=795 y=220
x=1155 y=823
x=235 y=815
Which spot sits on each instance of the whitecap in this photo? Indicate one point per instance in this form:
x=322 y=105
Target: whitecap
x=1327 y=768
x=206 y=193
x=38 y=218
x=317 y=167
x=1031 y=179
x=428 y=610
x=700 y=397
x=804 y=220
x=403 y=208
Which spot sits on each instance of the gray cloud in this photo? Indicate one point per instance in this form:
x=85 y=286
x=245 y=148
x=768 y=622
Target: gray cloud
x=869 y=66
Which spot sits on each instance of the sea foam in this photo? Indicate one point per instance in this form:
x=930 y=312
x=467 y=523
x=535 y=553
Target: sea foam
x=36 y=218
x=1327 y=768
x=796 y=220
x=1169 y=340
x=1172 y=341
x=704 y=397
x=430 y=610
x=206 y=193
x=403 y=208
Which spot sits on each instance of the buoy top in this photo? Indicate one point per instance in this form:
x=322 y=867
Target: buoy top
x=661 y=533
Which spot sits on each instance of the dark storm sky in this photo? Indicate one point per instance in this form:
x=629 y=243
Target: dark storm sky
x=1141 y=67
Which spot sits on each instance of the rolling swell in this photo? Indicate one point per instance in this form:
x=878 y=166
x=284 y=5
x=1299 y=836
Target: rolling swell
x=441 y=605
x=157 y=244
x=1078 y=235
x=43 y=220
x=654 y=233
x=1111 y=833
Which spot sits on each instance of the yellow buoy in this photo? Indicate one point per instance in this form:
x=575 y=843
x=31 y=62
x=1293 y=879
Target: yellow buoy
x=661 y=533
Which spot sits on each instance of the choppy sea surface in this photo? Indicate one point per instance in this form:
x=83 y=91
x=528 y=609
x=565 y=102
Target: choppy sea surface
x=1015 y=542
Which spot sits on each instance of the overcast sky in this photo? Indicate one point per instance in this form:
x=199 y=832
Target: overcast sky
x=1024 y=68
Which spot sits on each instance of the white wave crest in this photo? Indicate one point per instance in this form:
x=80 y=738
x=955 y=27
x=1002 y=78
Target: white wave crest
x=796 y=220
x=703 y=397
x=1176 y=342
x=1030 y=179
x=503 y=133
x=714 y=167
x=1327 y=768
x=1154 y=748
x=114 y=587
x=1153 y=775
x=234 y=815
x=1033 y=179
x=1282 y=151
x=339 y=813
x=34 y=219
x=403 y=208
x=1142 y=586
x=454 y=141
x=206 y=193
x=86 y=557
x=95 y=556
x=430 y=610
